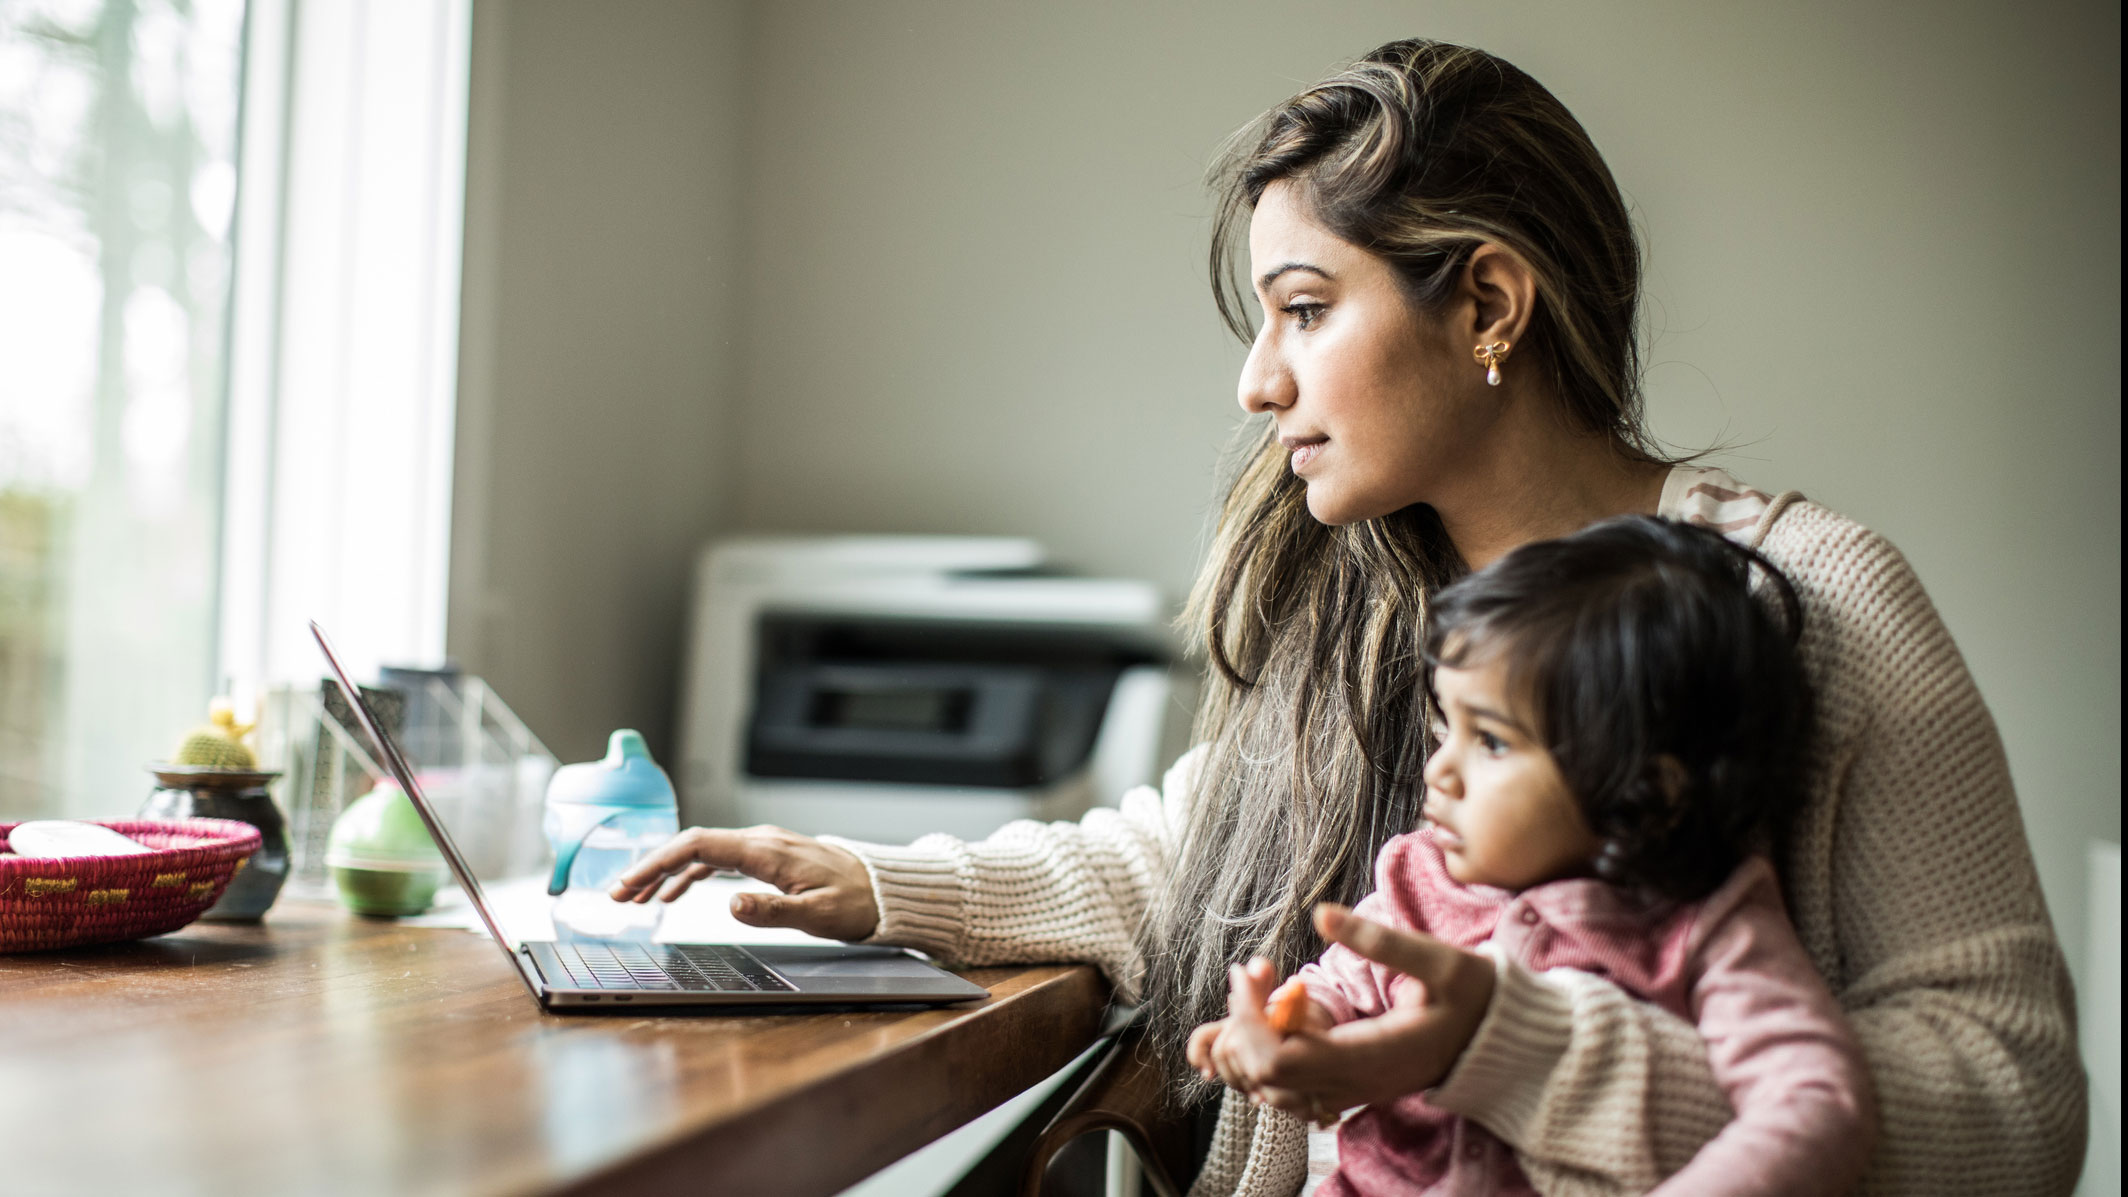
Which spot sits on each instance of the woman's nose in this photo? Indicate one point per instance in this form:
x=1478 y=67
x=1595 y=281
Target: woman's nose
x=1265 y=384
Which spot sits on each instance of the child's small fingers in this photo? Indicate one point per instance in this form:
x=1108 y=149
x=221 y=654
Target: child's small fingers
x=1226 y=1066
x=1199 y=1049
x=1247 y=989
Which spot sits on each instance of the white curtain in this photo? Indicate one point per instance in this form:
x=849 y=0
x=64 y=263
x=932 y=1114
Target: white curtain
x=344 y=348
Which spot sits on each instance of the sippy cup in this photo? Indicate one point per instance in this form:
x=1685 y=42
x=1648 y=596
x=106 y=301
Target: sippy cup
x=602 y=817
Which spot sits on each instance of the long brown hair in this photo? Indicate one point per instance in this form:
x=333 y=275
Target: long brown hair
x=1315 y=710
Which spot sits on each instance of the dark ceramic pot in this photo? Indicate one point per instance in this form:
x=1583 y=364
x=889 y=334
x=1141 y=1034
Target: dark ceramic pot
x=190 y=792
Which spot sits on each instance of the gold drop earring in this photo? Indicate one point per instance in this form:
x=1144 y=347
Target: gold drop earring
x=1490 y=357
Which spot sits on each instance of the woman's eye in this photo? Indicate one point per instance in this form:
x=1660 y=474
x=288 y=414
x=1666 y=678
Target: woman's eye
x=1304 y=314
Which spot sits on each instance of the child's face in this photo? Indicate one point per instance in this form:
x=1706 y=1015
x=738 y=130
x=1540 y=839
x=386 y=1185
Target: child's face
x=1502 y=815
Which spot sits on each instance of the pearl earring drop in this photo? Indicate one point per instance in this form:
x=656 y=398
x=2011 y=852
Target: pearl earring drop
x=1490 y=357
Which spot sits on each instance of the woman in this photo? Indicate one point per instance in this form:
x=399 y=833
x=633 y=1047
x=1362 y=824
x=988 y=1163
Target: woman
x=1448 y=365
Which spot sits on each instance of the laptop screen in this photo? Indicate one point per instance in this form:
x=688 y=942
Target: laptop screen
x=405 y=776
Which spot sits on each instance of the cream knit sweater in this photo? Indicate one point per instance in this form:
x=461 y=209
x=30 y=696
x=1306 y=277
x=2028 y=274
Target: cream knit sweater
x=1909 y=879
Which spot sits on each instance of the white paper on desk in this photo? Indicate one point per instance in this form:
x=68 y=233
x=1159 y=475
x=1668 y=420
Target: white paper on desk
x=523 y=910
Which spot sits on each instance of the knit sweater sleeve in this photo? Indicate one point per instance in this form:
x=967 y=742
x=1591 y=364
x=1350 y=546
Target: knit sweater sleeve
x=1914 y=892
x=1036 y=891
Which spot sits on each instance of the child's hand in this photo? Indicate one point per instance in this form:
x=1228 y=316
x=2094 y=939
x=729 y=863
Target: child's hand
x=1217 y=1051
x=1246 y=1043
x=1227 y=1048
x=1199 y=1051
x=1237 y=1048
x=1289 y=1010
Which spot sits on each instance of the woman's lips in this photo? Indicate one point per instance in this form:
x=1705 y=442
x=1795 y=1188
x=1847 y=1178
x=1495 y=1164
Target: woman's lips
x=1304 y=451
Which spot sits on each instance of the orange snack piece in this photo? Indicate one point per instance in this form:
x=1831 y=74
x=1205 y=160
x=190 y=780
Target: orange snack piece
x=1287 y=1007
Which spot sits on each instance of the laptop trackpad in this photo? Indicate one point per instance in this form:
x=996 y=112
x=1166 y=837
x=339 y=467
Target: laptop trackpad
x=854 y=968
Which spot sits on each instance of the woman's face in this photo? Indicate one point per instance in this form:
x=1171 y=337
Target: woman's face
x=1371 y=398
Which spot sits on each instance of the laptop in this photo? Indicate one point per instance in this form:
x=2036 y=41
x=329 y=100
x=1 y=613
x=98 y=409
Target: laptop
x=586 y=975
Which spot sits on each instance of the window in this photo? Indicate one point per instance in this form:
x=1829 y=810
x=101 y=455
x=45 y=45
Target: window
x=345 y=346
x=117 y=186
x=224 y=410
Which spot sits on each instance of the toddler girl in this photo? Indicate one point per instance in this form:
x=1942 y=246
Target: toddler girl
x=1624 y=729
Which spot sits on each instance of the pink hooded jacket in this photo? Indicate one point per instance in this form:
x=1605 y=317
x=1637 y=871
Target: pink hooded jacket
x=1805 y=1113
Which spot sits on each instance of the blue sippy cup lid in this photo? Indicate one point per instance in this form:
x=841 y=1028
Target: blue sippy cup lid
x=626 y=777
x=594 y=792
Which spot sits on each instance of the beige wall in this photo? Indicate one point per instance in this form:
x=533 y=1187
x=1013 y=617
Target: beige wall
x=594 y=440
x=1884 y=259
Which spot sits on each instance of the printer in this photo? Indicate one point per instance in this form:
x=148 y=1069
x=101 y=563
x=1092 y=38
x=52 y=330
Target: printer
x=884 y=687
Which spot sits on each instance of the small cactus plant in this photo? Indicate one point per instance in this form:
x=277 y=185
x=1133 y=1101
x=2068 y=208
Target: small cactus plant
x=220 y=744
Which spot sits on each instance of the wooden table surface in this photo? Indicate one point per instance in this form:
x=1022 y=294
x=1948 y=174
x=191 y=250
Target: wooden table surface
x=321 y=1053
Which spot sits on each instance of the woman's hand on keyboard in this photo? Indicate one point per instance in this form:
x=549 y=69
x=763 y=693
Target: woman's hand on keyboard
x=826 y=890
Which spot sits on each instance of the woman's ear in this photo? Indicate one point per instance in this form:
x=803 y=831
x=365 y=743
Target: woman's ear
x=1501 y=292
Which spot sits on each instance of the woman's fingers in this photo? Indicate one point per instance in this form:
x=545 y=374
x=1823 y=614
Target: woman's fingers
x=833 y=900
x=1315 y=1071
x=1355 y=1063
x=802 y=911
x=1421 y=957
x=683 y=880
x=1405 y=1049
x=1309 y=1108
x=715 y=847
x=1440 y=997
x=826 y=890
x=1291 y=1101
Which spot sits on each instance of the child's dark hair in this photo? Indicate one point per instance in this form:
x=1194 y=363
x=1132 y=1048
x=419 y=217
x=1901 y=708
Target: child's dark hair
x=1638 y=642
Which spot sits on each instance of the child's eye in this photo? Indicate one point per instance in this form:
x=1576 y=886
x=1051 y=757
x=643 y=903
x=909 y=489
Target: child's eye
x=1493 y=745
x=1304 y=314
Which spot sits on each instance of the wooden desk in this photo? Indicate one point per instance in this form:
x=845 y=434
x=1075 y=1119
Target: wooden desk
x=323 y=1053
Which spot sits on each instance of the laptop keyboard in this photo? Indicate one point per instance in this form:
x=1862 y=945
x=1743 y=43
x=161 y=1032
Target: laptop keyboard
x=692 y=968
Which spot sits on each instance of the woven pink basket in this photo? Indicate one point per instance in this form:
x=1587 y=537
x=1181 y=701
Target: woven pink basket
x=69 y=901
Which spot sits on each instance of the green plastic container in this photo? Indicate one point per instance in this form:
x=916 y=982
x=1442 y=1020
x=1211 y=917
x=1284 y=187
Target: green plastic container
x=381 y=857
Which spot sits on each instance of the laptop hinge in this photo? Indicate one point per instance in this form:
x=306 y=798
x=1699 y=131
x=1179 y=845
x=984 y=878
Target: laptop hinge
x=528 y=971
